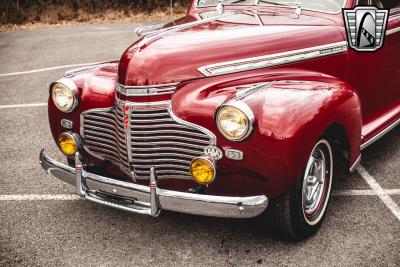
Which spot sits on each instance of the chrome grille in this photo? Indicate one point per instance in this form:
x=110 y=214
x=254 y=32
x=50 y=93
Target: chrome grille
x=104 y=135
x=154 y=137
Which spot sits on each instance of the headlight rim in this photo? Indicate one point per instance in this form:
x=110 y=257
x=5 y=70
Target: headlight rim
x=74 y=90
x=246 y=110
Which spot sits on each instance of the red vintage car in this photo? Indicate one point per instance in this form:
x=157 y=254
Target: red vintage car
x=236 y=107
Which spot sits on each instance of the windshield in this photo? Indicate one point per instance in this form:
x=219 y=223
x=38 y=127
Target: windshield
x=330 y=6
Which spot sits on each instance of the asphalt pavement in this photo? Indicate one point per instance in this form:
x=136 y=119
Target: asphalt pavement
x=38 y=228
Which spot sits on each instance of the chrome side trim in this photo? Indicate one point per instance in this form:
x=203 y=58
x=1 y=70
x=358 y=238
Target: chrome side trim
x=149 y=200
x=380 y=134
x=392 y=31
x=272 y=60
x=354 y=166
x=162 y=89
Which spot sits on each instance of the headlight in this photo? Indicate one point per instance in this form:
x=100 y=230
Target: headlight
x=235 y=122
x=63 y=93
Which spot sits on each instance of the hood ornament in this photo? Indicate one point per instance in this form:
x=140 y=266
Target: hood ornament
x=298 y=11
x=220 y=7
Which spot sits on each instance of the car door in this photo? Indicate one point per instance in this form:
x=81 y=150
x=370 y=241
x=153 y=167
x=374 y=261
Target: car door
x=376 y=75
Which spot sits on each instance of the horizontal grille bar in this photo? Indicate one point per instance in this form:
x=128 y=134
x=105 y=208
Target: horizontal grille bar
x=170 y=138
x=156 y=145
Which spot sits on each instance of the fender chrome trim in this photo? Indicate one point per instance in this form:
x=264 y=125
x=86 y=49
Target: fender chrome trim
x=355 y=164
x=273 y=60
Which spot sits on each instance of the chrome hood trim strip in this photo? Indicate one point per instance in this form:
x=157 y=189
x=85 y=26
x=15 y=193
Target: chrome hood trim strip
x=273 y=60
x=162 y=89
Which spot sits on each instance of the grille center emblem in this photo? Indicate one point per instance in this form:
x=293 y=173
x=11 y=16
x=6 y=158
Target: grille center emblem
x=126 y=117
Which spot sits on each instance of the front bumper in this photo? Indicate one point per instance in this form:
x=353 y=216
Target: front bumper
x=150 y=200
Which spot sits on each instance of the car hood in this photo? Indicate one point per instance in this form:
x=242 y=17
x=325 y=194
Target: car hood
x=174 y=54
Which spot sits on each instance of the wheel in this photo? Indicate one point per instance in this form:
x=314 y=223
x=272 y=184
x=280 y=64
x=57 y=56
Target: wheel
x=299 y=213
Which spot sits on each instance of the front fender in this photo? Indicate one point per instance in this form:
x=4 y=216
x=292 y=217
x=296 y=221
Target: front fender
x=291 y=114
x=296 y=114
x=96 y=85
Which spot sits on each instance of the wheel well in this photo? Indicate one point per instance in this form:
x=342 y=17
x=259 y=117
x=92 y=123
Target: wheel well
x=337 y=136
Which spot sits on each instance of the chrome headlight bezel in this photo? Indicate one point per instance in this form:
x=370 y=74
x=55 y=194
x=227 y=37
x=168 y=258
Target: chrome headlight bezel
x=69 y=85
x=245 y=110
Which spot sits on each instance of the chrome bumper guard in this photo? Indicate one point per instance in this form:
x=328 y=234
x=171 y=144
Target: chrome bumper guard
x=150 y=200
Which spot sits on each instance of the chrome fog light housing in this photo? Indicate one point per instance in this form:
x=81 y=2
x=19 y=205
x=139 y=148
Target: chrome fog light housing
x=64 y=95
x=235 y=121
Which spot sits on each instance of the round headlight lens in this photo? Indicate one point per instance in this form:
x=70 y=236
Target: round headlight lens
x=63 y=97
x=202 y=171
x=68 y=144
x=233 y=123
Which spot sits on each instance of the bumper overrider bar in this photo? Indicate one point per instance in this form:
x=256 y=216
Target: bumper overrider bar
x=150 y=200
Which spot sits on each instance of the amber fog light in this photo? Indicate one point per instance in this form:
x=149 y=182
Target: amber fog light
x=202 y=171
x=68 y=144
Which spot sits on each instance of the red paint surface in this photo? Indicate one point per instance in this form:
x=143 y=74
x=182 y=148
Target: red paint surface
x=357 y=91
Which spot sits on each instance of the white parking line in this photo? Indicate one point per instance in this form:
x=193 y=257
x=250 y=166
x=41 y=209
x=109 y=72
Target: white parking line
x=379 y=191
x=393 y=191
x=341 y=193
x=47 y=69
x=24 y=105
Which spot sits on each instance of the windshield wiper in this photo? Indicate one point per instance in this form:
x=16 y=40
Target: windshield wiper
x=220 y=5
x=237 y=1
x=286 y=4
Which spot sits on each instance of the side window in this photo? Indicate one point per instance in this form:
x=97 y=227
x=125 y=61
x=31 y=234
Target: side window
x=387 y=4
x=390 y=4
x=393 y=5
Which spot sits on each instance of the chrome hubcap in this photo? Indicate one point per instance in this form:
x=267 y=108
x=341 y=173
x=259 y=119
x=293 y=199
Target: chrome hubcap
x=314 y=184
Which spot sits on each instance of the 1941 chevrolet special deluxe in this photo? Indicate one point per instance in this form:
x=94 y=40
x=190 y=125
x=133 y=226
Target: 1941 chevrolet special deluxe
x=234 y=110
